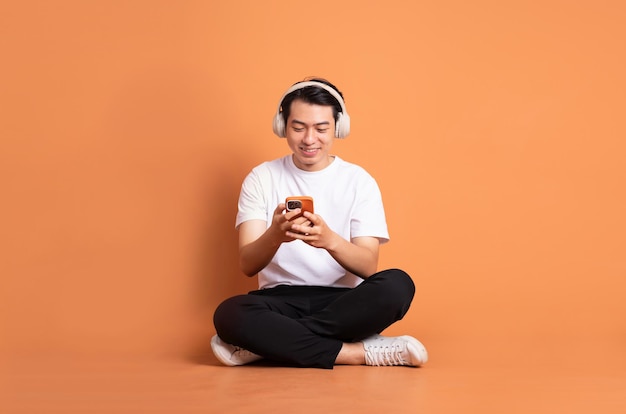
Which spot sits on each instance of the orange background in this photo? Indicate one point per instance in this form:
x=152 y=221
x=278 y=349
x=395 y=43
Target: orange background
x=495 y=131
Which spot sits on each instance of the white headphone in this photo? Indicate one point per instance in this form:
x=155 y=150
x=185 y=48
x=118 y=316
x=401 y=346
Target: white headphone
x=342 y=125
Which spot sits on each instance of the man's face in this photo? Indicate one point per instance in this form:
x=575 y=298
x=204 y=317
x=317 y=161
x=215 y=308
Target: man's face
x=310 y=131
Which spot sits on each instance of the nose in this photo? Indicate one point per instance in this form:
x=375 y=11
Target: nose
x=309 y=136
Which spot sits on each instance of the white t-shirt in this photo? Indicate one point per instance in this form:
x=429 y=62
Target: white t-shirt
x=344 y=195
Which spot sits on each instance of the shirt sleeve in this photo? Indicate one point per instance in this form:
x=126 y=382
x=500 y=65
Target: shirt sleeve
x=252 y=203
x=369 y=218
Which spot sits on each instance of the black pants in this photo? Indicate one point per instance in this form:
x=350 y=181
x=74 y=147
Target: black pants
x=306 y=325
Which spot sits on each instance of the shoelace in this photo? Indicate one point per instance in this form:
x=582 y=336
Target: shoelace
x=384 y=355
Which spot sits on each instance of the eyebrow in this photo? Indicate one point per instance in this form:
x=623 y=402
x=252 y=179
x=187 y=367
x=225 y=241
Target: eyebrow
x=295 y=121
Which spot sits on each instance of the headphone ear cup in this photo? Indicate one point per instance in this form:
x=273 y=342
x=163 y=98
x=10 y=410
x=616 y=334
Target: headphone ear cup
x=279 y=125
x=342 y=126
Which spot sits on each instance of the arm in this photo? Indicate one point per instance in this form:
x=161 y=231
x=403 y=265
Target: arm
x=258 y=243
x=358 y=256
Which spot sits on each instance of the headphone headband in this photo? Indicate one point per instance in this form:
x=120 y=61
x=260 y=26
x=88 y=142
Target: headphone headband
x=342 y=125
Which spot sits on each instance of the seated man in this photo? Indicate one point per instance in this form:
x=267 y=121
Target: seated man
x=321 y=301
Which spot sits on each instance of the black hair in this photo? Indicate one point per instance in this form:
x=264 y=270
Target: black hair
x=312 y=95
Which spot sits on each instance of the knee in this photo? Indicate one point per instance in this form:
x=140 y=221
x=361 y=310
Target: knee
x=398 y=283
x=228 y=315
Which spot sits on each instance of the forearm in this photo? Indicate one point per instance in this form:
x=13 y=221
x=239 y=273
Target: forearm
x=254 y=256
x=361 y=260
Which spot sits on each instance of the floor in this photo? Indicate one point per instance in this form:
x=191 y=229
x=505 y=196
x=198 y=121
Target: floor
x=463 y=376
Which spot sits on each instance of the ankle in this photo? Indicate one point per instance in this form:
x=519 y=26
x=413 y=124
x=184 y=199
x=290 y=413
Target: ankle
x=351 y=353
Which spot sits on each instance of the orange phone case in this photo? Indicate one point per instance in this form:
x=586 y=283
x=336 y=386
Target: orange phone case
x=307 y=204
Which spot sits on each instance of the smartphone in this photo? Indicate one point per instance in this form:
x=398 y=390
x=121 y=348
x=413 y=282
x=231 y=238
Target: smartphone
x=305 y=203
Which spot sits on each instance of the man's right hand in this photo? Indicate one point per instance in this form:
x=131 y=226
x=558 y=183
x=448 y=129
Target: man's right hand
x=259 y=243
x=282 y=221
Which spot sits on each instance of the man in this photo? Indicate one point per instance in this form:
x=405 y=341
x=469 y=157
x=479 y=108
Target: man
x=321 y=301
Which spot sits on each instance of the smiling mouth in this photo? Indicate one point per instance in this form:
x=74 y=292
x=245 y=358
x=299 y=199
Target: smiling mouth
x=309 y=150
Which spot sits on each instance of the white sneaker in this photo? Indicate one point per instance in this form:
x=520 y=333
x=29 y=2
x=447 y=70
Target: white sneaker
x=394 y=350
x=231 y=355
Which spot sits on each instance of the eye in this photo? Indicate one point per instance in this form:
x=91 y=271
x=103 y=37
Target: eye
x=298 y=129
x=322 y=131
